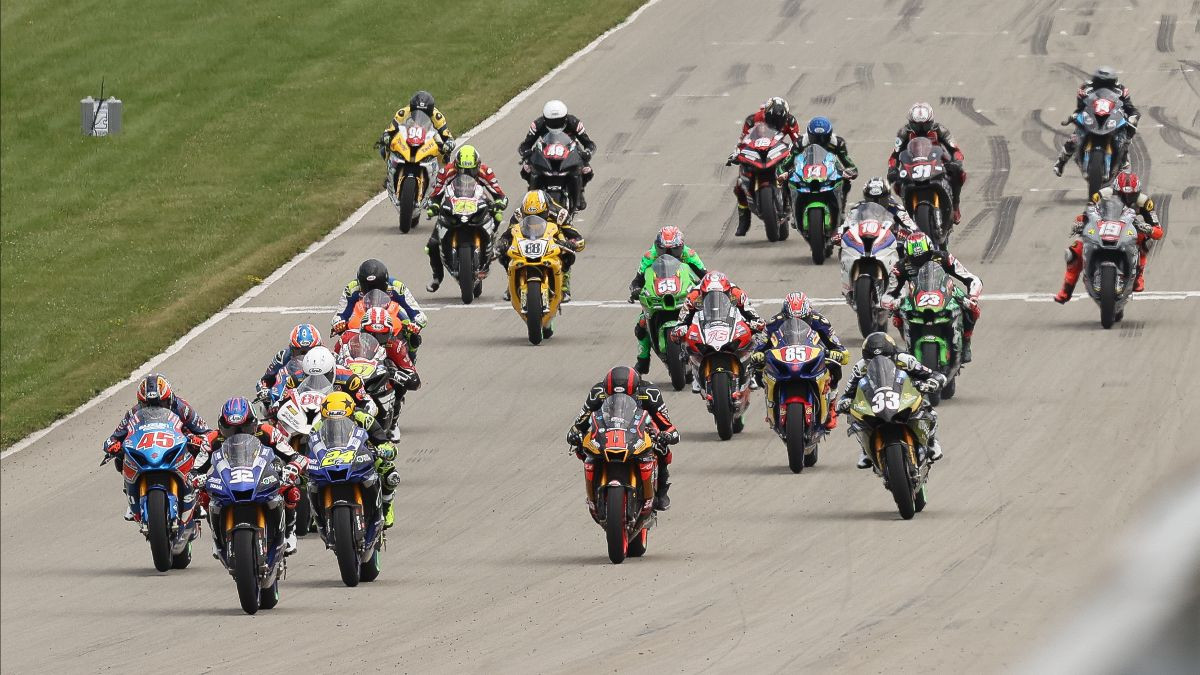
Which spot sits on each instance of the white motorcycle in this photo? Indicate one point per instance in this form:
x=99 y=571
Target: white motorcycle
x=869 y=250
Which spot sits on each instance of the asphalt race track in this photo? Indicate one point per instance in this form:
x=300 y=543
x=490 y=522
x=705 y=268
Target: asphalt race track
x=1059 y=432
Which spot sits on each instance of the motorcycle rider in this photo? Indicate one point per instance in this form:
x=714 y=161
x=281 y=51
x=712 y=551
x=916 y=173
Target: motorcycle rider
x=320 y=361
x=625 y=380
x=237 y=417
x=154 y=391
x=1127 y=186
x=422 y=101
x=403 y=374
x=668 y=242
x=718 y=282
x=921 y=123
x=876 y=192
x=555 y=117
x=881 y=344
x=776 y=114
x=918 y=251
x=466 y=161
x=539 y=203
x=820 y=132
x=304 y=337
x=340 y=405
x=1105 y=77
x=373 y=274
x=798 y=306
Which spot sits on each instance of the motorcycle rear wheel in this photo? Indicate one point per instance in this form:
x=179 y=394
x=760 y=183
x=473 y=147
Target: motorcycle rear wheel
x=1095 y=170
x=303 y=514
x=929 y=359
x=896 y=462
x=794 y=436
x=614 y=524
x=1108 y=296
x=534 y=310
x=766 y=209
x=159 y=532
x=676 y=366
x=816 y=233
x=407 y=197
x=925 y=222
x=466 y=271
x=722 y=405
x=245 y=570
x=864 y=303
x=343 y=544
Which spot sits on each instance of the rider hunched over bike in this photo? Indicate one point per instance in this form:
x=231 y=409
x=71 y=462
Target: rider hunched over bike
x=668 y=242
x=776 y=114
x=820 y=132
x=304 y=337
x=421 y=101
x=625 y=380
x=467 y=162
x=881 y=344
x=797 y=305
x=556 y=117
x=373 y=275
x=918 y=251
x=876 y=192
x=338 y=404
x=154 y=391
x=1128 y=188
x=1105 y=77
x=539 y=203
x=921 y=123
x=717 y=282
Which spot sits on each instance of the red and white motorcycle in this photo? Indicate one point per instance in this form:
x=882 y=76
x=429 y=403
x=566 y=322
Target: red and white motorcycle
x=869 y=250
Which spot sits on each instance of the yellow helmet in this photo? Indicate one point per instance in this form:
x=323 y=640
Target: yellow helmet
x=536 y=203
x=337 y=404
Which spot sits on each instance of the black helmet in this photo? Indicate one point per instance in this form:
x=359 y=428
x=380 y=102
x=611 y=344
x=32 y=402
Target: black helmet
x=622 y=380
x=775 y=112
x=878 y=344
x=372 y=274
x=875 y=190
x=1104 y=77
x=423 y=101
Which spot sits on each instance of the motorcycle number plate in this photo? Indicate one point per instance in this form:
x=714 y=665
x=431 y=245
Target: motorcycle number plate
x=869 y=228
x=716 y=335
x=335 y=457
x=465 y=207
x=533 y=248
x=918 y=171
x=798 y=353
x=1110 y=230
x=762 y=143
x=1102 y=106
x=667 y=286
x=309 y=399
x=885 y=399
x=361 y=367
x=815 y=172
x=241 y=475
x=555 y=151
x=416 y=135
x=930 y=299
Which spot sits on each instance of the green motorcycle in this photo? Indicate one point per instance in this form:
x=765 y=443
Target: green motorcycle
x=666 y=285
x=933 y=325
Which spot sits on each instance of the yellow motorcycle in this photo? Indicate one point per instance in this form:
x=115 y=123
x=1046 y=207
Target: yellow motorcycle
x=413 y=161
x=893 y=425
x=620 y=473
x=535 y=275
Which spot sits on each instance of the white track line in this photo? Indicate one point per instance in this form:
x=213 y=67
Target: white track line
x=238 y=305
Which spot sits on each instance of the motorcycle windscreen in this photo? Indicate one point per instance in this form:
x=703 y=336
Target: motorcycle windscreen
x=931 y=277
x=795 y=332
x=336 y=432
x=1111 y=208
x=716 y=308
x=241 y=450
x=816 y=155
x=533 y=227
x=155 y=414
x=619 y=411
x=666 y=266
x=882 y=386
x=376 y=299
x=320 y=384
x=418 y=118
x=361 y=346
x=871 y=211
x=463 y=187
x=761 y=130
x=920 y=148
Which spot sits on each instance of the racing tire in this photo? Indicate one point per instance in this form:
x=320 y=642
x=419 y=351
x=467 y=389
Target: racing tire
x=948 y=390
x=896 y=463
x=1108 y=295
x=815 y=216
x=925 y=221
x=534 y=310
x=614 y=524
x=722 y=405
x=919 y=500
x=269 y=596
x=303 y=515
x=676 y=366
x=343 y=544
x=406 y=195
x=770 y=216
x=864 y=304
x=466 y=271
x=181 y=561
x=929 y=359
x=637 y=545
x=1095 y=170
x=157 y=529
x=369 y=571
x=245 y=570
x=793 y=431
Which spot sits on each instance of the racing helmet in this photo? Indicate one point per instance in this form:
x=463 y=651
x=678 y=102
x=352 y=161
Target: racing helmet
x=155 y=391
x=304 y=337
x=715 y=281
x=423 y=101
x=775 y=112
x=372 y=273
x=555 y=114
x=1105 y=77
x=875 y=190
x=1128 y=187
x=920 y=117
x=318 y=361
x=670 y=241
x=468 y=160
x=337 y=404
x=797 y=306
x=879 y=344
x=535 y=203
x=917 y=244
x=622 y=380
x=820 y=130
x=236 y=417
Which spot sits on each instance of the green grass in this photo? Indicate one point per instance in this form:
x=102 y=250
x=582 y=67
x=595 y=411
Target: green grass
x=247 y=135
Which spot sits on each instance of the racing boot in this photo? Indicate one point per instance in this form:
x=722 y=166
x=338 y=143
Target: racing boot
x=1140 y=284
x=389 y=516
x=864 y=462
x=1071 y=277
x=966 y=354
x=643 y=365
x=129 y=514
x=831 y=423
x=435 y=264
x=743 y=221
x=661 y=501
x=289 y=542
x=566 y=295
x=1061 y=163
x=935 y=450
x=695 y=381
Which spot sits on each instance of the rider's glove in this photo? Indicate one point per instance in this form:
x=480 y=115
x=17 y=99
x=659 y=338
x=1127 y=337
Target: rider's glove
x=758 y=359
x=634 y=294
x=386 y=451
x=893 y=175
x=112 y=447
x=574 y=438
x=501 y=203
x=401 y=377
x=732 y=159
x=678 y=332
x=757 y=325
x=431 y=210
x=338 y=327
x=669 y=437
x=448 y=146
x=851 y=173
x=197 y=480
x=843 y=405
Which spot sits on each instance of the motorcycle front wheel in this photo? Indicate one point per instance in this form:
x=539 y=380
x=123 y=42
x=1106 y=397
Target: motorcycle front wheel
x=407 y=197
x=245 y=570
x=896 y=462
x=614 y=524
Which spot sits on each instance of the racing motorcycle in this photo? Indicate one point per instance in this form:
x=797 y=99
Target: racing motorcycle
x=299 y=411
x=620 y=475
x=761 y=153
x=247 y=516
x=817 y=185
x=155 y=468
x=933 y=326
x=925 y=188
x=1105 y=134
x=346 y=498
x=665 y=288
x=555 y=164
x=1110 y=257
x=868 y=253
x=362 y=355
x=465 y=229
x=719 y=347
x=535 y=275
x=893 y=428
x=413 y=160
x=798 y=389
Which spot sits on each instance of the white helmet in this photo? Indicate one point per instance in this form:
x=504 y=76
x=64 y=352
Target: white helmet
x=554 y=110
x=318 y=361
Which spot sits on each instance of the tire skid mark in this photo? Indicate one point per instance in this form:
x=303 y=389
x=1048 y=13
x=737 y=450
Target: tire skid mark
x=1172 y=133
x=1165 y=42
x=670 y=205
x=1162 y=207
x=993 y=185
x=1079 y=73
x=617 y=143
x=610 y=203
x=726 y=231
x=794 y=89
x=1189 y=70
x=646 y=113
x=1139 y=159
x=1132 y=329
x=1041 y=36
x=736 y=74
x=1006 y=217
x=1082 y=28
x=864 y=78
x=909 y=11
x=825 y=99
x=793 y=18
x=791 y=8
x=895 y=71
x=973 y=223
x=1191 y=191
x=966 y=106
x=1032 y=138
